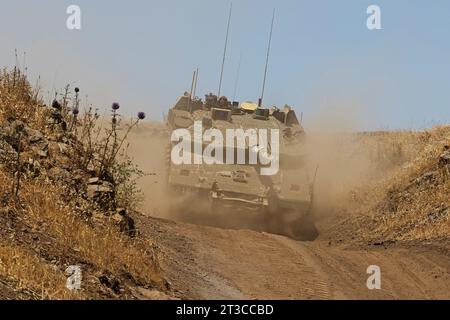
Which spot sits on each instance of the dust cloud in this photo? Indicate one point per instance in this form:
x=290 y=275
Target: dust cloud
x=344 y=161
x=348 y=158
x=337 y=154
x=147 y=148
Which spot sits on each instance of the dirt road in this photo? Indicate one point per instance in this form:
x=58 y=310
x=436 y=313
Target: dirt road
x=204 y=262
x=212 y=263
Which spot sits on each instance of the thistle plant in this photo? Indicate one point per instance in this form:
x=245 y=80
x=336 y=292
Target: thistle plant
x=75 y=112
x=88 y=138
x=114 y=165
x=113 y=143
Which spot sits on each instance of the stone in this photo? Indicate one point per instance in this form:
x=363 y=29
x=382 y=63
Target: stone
x=127 y=226
x=63 y=148
x=102 y=194
x=57 y=173
x=41 y=152
x=149 y=294
x=110 y=282
x=17 y=126
x=444 y=158
x=90 y=168
x=34 y=136
x=121 y=211
x=104 y=187
x=7 y=152
x=94 y=180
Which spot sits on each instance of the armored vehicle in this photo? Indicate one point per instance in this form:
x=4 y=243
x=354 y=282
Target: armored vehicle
x=281 y=198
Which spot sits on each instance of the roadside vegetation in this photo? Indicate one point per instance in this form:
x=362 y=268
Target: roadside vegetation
x=411 y=202
x=66 y=189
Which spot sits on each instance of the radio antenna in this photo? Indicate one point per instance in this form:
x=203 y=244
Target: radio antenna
x=225 y=50
x=192 y=89
x=267 y=61
x=195 y=84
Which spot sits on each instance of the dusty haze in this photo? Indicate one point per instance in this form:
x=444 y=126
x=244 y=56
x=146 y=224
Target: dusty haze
x=345 y=160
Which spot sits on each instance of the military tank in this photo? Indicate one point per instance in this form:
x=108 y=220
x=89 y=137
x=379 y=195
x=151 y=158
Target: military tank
x=282 y=200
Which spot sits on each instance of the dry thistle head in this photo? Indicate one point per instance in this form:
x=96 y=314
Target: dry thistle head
x=141 y=115
x=115 y=106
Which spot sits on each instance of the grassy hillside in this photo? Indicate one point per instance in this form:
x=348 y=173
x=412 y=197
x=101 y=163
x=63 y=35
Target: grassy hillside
x=411 y=203
x=51 y=216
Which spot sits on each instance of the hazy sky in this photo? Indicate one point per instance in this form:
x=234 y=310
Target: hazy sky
x=324 y=60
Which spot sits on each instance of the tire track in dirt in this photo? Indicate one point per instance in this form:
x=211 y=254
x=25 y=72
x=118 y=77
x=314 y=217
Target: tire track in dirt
x=211 y=263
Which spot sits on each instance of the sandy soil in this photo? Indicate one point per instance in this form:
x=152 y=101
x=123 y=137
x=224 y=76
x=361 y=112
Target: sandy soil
x=212 y=263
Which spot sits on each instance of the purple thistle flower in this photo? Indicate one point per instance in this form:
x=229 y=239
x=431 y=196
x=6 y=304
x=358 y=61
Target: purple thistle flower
x=75 y=111
x=115 y=106
x=141 y=115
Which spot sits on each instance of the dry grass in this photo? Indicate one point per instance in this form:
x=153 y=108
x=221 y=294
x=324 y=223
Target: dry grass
x=412 y=203
x=417 y=206
x=103 y=246
x=34 y=275
x=19 y=101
